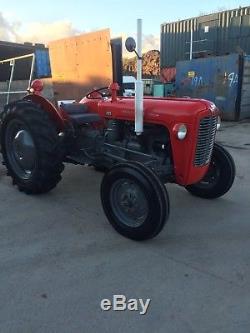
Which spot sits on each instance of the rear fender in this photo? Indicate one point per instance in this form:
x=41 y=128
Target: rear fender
x=48 y=107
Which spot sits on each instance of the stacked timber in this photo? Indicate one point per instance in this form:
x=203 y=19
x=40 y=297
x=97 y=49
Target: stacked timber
x=150 y=68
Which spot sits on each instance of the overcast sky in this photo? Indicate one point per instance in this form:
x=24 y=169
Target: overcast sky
x=42 y=21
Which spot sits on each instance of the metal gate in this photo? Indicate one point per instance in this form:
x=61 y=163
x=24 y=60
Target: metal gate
x=13 y=64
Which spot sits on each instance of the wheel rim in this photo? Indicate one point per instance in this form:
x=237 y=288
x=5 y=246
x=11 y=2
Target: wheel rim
x=130 y=204
x=20 y=149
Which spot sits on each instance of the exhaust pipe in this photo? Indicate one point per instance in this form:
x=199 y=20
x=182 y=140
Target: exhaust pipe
x=139 y=83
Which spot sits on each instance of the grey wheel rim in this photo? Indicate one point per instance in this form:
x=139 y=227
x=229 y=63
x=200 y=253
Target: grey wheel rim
x=129 y=203
x=20 y=149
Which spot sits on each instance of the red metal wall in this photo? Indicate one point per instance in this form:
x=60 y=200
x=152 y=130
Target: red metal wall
x=168 y=74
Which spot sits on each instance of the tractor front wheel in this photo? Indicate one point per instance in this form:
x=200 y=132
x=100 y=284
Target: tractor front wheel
x=219 y=178
x=134 y=200
x=30 y=148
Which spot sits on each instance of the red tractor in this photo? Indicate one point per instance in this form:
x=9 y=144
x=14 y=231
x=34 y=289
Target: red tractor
x=141 y=145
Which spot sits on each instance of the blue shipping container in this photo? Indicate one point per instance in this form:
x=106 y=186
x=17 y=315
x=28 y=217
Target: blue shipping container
x=245 y=89
x=42 y=63
x=217 y=79
x=169 y=89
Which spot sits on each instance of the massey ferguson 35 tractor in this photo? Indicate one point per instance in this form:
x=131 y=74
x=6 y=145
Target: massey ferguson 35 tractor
x=142 y=144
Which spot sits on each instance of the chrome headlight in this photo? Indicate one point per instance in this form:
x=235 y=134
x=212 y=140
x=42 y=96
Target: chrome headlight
x=218 y=123
x=180 y=131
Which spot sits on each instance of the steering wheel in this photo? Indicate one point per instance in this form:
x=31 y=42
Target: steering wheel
x=99 y=93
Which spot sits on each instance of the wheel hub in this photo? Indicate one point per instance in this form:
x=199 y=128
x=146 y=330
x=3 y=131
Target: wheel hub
x=20 y=149
x=24 y=150
x=130 y=203
x=129 y=200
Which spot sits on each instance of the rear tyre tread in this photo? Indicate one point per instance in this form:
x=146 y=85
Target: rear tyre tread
x=50 y=152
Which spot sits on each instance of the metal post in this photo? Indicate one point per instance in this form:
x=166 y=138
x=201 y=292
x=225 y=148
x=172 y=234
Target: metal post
x=16 y=58
x=12 y=63
x=139 y=83
x=191 y=44
x=32 y=68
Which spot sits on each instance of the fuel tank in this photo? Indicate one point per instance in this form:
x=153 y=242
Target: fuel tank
x=156 y=110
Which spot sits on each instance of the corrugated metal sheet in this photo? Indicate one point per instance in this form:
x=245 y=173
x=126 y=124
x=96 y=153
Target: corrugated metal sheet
x=215 y=34
x=81 y=63
x=245 y=89
x=168 y=74
x=215 y=78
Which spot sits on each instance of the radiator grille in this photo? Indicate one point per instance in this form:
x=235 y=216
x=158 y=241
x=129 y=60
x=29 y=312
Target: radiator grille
x=205 y=142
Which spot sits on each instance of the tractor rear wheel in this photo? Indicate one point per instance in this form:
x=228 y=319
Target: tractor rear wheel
x=219 y=178
x=134 y=200
x=30 y=148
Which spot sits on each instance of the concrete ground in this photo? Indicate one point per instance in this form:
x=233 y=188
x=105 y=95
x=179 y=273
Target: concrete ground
x=59 y=258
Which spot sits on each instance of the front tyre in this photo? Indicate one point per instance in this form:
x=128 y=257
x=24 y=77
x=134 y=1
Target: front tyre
x=30 y=148
x=219 y=178
x=134 y=200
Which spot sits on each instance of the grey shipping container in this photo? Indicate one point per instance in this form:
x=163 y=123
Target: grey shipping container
x=214 y=34
x=223 y=80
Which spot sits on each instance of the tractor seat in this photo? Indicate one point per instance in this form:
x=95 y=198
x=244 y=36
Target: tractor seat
x=79 y=115
x=74 y=108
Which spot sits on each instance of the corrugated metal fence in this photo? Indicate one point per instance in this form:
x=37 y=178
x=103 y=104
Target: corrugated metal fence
x=215 y=34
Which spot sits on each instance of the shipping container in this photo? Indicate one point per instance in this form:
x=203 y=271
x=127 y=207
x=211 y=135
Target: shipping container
x=169 y=89
x=214 y=34
x=82 y=63
x=42 y=64
x=223 y=80
x=168 y=74
x=245 y=89
x=22 y=68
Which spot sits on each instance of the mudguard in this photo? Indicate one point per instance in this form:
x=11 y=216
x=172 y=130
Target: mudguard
x=58 y=116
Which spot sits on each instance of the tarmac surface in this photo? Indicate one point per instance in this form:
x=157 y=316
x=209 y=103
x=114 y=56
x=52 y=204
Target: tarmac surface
x=59 y=257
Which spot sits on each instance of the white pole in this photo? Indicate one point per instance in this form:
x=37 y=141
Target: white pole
x=12 y=63
x=17 y=58
x=32 y=69
x=191 y=44
x=139 y=83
